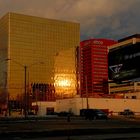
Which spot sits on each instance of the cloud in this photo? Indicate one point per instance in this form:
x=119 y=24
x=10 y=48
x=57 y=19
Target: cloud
x=98 y=18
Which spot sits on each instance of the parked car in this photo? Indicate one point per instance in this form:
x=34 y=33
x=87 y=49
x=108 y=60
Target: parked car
x=51 y=115
x=127 y=112
x=64 y=113
x=93 y=114
x=31 y=113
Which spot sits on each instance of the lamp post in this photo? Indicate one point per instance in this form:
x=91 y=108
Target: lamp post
x=86 y=92
x=25 y=83
x=25 y=91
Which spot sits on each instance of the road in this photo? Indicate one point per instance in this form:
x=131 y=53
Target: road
x=76 y=129
x=119 y=136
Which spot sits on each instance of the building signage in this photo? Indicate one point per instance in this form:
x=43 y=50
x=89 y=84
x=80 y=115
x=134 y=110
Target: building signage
x=124 y=63
x=93 y=42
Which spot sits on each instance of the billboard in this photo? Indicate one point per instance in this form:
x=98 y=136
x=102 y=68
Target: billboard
x=124 y=62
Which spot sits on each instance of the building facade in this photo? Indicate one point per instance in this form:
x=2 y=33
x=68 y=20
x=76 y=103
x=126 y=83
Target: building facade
x=94 y=66
x=124 y=70
x=37 y=58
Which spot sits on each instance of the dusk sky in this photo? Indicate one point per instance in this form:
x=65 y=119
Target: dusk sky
x=112 y=19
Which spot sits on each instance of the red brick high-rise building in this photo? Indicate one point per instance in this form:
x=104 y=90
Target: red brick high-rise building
x=94 y=67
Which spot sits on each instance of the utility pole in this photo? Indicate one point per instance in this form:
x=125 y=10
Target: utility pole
x=25 y=92
x=86 y=92
x=25 y=104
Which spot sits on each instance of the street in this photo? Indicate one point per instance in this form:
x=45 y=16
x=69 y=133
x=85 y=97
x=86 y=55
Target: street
x=120 y=136
x=77 y=129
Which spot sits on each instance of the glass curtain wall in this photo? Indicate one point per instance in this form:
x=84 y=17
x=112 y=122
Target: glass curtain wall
x=46 y=48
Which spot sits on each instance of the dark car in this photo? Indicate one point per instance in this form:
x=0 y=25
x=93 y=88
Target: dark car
x=64 y=113
x=93 y=114
x=127 y=112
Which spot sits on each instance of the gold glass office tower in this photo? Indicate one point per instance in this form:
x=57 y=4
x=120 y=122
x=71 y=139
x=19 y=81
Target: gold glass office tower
x=39 y=50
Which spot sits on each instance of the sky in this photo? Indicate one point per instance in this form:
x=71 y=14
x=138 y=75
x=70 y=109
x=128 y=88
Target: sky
x=111 y=19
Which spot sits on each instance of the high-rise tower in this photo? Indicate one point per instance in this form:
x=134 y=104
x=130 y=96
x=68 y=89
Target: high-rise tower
x=39 y=52
x=94 y=66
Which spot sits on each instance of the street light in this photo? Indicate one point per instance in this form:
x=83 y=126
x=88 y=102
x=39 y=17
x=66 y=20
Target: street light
x=25 y=91
x=86 y=92
x=25 y=83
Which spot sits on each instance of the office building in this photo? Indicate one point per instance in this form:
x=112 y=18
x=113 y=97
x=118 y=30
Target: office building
x=124 y=70
x=94 y=67
x=37 y=58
